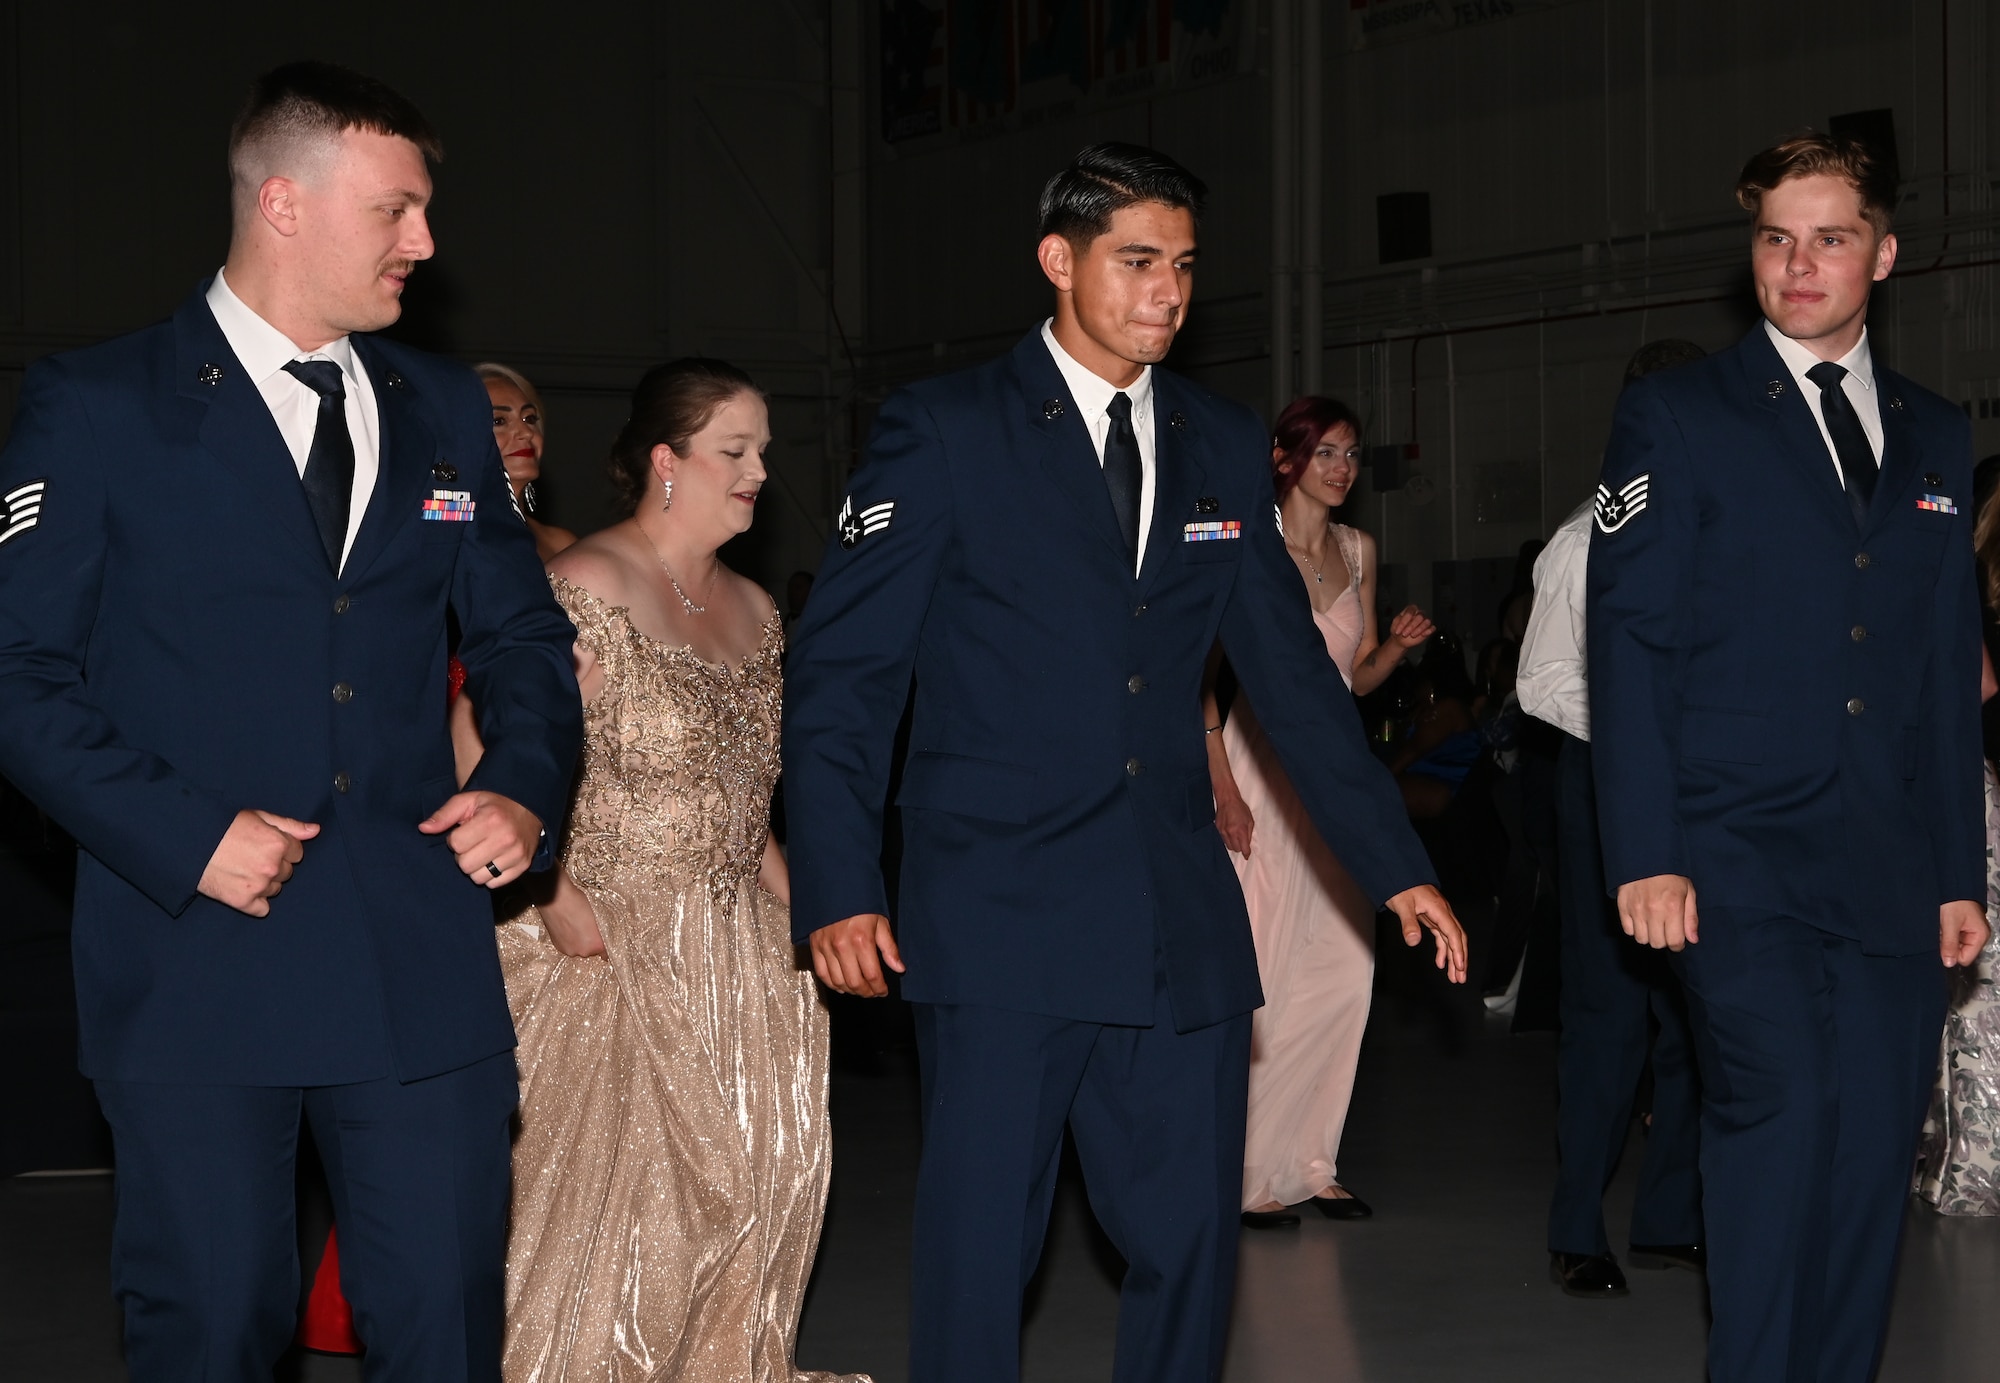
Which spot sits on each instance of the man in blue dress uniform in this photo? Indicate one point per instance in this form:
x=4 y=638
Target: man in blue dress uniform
x=1784 y=695
x=1051 y=544
x=230 y=546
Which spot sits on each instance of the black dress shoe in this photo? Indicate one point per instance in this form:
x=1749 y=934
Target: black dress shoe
x=1693 y=1257
x=1270 y=1219
x=1587 y=1275
x=1347 y=1207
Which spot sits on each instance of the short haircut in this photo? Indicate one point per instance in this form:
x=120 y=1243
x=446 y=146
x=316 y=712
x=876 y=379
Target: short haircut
x=1812 y=153
x=493 y=369
x=1663 y=354
x=1297 y=434
x=294 y=114
x=1079 y=202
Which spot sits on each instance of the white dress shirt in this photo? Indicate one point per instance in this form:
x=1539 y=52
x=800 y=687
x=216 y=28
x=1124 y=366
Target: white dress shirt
x=1551 y=681
x=264 y=351
x=1093 y=395
x=1859 y=387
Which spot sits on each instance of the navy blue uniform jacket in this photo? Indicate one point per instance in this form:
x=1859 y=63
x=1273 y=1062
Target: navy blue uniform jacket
x=171 y=634
x=1785 y=705
x=1059 y=839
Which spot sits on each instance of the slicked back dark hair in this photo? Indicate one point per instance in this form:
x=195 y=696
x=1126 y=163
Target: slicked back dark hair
x=1662 y=354
x=1079 y=202
x=293 y=107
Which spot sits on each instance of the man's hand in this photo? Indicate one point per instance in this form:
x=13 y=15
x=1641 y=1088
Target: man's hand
x=487 y=829
x=1659 y=911
x=254 y=859
x=1236 y=822
x=1421 y=907
x=1962 y=932
x=844 y=955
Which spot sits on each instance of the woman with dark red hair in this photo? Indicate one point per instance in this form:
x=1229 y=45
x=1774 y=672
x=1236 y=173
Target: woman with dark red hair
x=1315 y=929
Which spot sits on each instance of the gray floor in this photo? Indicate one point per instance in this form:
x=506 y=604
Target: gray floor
x=1449 y=1140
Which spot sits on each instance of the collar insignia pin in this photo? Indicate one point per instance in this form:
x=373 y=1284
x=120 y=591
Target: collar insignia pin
x=1933 y=478
x=444 y=473
x=1896 y=403
x=394 y=380
x=1775 y=388
x=211 y=375
x=1208 y=504
x=1177 y=419
x=1052 y=409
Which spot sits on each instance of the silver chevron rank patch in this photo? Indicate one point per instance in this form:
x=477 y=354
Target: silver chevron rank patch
x=854 y=525
x=1614 y=511
x=21 y=510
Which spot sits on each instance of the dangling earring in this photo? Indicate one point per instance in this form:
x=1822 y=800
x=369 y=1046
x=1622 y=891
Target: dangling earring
x=667 y=486
x=528 y=496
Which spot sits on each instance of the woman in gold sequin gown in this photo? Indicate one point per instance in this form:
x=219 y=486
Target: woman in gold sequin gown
x=671 y=1167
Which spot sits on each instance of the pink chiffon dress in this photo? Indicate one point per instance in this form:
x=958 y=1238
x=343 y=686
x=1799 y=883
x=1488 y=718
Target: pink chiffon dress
x=1315 y=933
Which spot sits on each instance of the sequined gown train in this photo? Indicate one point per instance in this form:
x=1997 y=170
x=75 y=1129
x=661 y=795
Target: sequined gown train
x=671 y=1168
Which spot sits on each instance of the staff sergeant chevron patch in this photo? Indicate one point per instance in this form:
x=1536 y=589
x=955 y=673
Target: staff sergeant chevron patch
x=23 y=509
x=853 y=526
x=1614 y=511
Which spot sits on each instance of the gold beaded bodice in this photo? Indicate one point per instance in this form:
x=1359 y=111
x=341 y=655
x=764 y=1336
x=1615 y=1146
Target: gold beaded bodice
x=679 y=756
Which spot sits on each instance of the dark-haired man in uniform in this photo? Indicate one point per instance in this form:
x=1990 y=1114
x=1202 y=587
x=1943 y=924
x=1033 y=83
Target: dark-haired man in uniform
x=1784 y=702
x=1051 y=544
x=222 y=669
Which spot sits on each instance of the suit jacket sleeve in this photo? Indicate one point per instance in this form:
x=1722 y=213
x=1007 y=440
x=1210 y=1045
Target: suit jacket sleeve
x=129 y=808
x=514 y=639
x=847 y=677
x=1278 y=655
x=1641 y=582
x=1954 y=791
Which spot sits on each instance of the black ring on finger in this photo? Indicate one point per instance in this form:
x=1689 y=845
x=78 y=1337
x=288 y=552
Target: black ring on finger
x=494 y=869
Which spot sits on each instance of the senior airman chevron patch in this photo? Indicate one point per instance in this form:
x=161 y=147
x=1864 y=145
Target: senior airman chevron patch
x=1614 y=511
x=853 y=525
x=23 y=509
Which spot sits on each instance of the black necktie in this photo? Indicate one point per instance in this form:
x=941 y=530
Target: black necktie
x=329 y=477
x=1850 y=442
x=1123 y=475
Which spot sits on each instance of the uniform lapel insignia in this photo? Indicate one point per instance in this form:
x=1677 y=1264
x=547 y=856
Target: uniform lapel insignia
x=1177 y=419
x=1052 y=409
x=1896 y=402
x=1208 y=504
x=1774 y=388
x=1614 y=511
x=444 y=472
x=393 y=380
x=854 y=525
x=23 y=509
x=1938 y=504
x=1933 y=478
x=211 y=375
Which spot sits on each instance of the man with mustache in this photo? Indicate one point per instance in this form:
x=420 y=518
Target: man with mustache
x=1051 y=544
x=222 y=669
x=1783 y=632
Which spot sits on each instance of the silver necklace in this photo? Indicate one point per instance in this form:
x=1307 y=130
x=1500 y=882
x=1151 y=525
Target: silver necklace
x=1298 y=552
x=706 y=595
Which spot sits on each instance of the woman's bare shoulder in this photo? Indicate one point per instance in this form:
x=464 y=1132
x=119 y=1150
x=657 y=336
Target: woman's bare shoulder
x=602 y=564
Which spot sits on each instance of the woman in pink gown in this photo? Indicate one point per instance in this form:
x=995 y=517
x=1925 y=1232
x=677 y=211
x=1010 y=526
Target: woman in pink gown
x=1315 y=929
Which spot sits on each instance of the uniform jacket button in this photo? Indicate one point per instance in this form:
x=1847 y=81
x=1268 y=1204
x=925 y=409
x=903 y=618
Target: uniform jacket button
x=1135 y=684
x=340 y=605
x=1858 y=632
x=342 y=693
x=1133 y=768
x=341 y=782
x=1855 y=705
x=1861 y=560
x=1138 y=610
